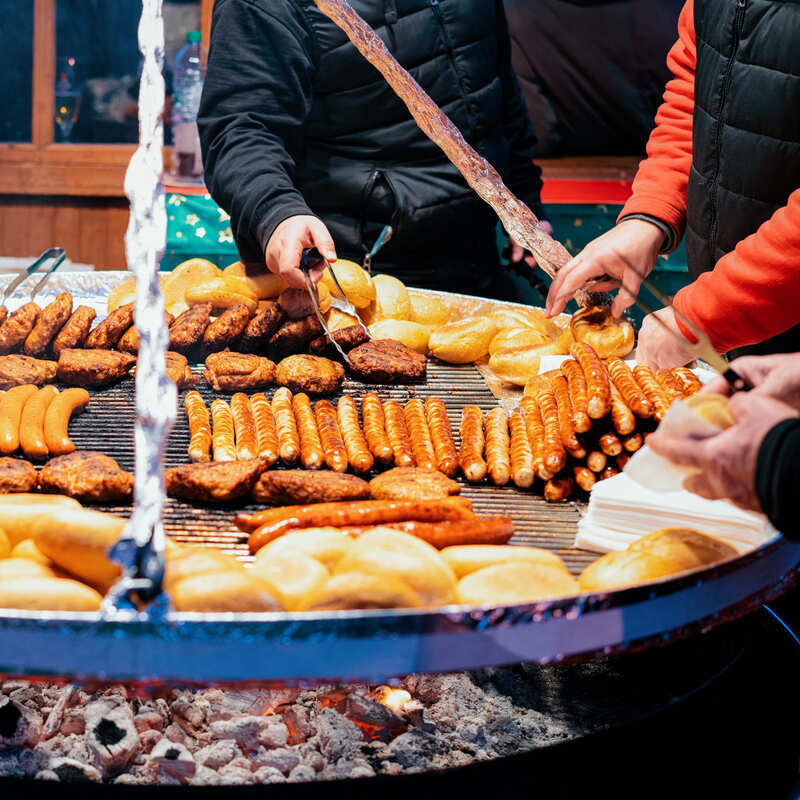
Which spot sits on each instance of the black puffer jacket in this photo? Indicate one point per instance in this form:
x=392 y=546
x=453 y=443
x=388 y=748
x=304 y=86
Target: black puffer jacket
x=294 y=121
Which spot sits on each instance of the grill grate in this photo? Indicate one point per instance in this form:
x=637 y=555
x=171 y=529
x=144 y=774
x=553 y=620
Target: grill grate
x=108 y=426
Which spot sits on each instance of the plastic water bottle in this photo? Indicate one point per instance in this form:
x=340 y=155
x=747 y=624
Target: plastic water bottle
x=187 y=79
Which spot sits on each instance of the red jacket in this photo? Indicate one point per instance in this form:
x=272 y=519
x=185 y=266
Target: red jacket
x=753 y=292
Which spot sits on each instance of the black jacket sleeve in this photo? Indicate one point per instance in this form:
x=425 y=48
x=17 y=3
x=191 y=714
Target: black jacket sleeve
x=256 y=97
x=524 y=177
x=778 y=477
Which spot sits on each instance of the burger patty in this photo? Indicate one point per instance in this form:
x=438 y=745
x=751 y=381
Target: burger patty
x=387 y=361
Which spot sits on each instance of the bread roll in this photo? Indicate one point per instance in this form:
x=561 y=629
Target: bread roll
x=188 y=273
x=411 y=334
x=533 y=318
x=427 y=309
x=78 y=541
x=27 y=549
x=238 y=590
x=522 y=364
x=189 y=561
x=358 y=590
x=124 y=293
x=464 y=341
x=48 y=594
x=515 y=338
x=326 y=545
x=222 y=293
x=357 y=284
x=297 y=303
x=607 y=336
x=468 y=558
x=264 y=284
x=514 y=584
x=23 y=568
x=18 y=512
x=296 y=577
x=391 y=300
x=387 y=553
x=337 y=320
x=714 y=408
x=687 y=547
x=5 y=545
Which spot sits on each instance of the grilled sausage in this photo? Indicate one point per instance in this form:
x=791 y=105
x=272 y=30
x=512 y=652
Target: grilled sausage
x=622 y=460
x=16 y=327
x=536 y=436
x=442 y=436
x=576 y=380
x=584 y=477
x=223 y=437
x=286 y=426
x=558 y=489
x=568 y=438
x=652 y=390
x=669 y=385
x=244 y=427
x=520 y=451
x=632 y=443
x=596 y=460
x=688 y=381
x=312 y=455
x=598 y=388
x=610 y=444
x=450 y=533
x=76 y=329
x=266 y=434
x=628 y=387
x=398 y=434
x=375 y=429
x=473 y=442
x=609 y=472
x=330 y=436
x=53 y=317
x=555 y=457
x=355 y=443
x=199 y=426
x=622 y=418
x=12 y=403
x=498 y=461
x=31 y=423
x=419 y=434
x=56 y=419
x=106 y=335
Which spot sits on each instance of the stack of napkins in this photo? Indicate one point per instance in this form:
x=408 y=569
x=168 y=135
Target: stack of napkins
x=621 y=510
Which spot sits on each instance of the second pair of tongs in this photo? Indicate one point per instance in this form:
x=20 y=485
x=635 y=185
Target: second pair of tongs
x=57 y=254
x=310 y=260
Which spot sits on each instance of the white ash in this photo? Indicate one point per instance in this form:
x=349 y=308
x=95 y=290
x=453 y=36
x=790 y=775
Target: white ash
x=217 y=737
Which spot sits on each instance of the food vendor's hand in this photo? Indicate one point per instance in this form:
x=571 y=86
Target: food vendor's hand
x=627 y=253
x=663 y=349
x=727 y=462
x=518 y=251
x=777 y=376
x=286 y=245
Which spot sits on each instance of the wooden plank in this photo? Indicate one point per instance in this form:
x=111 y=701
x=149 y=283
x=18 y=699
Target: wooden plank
x=44 y=71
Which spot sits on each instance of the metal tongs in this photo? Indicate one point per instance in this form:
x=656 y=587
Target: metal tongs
x=57 y=254
x=310 y=260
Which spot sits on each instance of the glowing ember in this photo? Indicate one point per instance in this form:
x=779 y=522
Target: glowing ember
x=392 y=698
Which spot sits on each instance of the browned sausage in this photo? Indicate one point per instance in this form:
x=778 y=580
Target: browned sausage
x=106 y=335
x=596 y=460
x=15 y=328
x=355 y=442
x=555 y=457
x=669 y=385
x=223 y=437
x=622 y=460
x=584 y=478
x=623 y=419
x=480 y=530
x=53 y=317
x=688 y=381
x=520 y=451
x=498 y=461
x=266 y=434
x=199 y=427
x=285 y=426
x=311 y=453
x=375 y=429
x=630 y=390
x=57 y=416
x=536 y=437
x=12 y=403
x=244 y=427
x=610 y=444
x=598 y=388
x=473 y=442
x=572 y=371
x=651 y=389
x=398 y=434
x=558 y=489
x=330 y=436
x=31 y=423
x=632 y=443
x=609 y=472
x=568 y=438
x=419 y=434
x=442 y=436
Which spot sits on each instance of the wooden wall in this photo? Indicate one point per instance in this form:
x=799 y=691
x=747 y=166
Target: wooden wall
x=91 y=229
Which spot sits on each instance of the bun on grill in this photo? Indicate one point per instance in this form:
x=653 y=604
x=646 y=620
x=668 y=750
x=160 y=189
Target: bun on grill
x=464 y=341
x=515 y=583
x=713 y=408
x=468 y=558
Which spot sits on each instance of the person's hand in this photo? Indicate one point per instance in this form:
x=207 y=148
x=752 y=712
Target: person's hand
x=727 y=462
x=626 y=253
x=662 y=348
x=776 y=376
x=286 y=245
x=518 y=251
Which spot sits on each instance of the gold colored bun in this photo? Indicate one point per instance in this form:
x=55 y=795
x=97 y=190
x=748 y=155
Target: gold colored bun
x=411 y=334
x=533 y=318
x=27 y=549
x=358 y=286
x=337 y=320
x=714 y=408
x=521 y=365
x=5 y=544
x=237 y=590
x=428 y=310
x=515 y=338
x=23 y=568
x=222 y=293
x=264 y=284
x=48 y=594
x=391 y=300
x=387 y=553
x=597 y=327
x=125 y=292
x=190 y=561
x=689 y=548
x=296 y=577
x=297 y=303
x=358 y=590
x=468 y=558
x=326 y=545
x=514 y=584
x=186 y=274
x=464 y=341
x=18 y=512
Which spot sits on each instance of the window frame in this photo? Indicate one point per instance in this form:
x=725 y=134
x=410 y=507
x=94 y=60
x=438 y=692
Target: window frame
x=46 y=167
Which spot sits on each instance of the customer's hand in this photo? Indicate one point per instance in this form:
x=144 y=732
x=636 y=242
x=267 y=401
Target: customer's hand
x=518 y=251
x=777 y=376
x=662 y=347
x=287 y=243
x=627 y=253
x=727 y=462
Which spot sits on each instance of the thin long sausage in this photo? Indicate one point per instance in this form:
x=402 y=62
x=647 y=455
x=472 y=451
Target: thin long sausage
x=449 y=533
x=576 y=380
x=622 y=418
x=398 y=434
x=266 y=433
x=669 y=385
x=375 y=429
x=244 y=427
x=630 y=390
x=689 y=382
x=419 y=434
x=358 y=452
x=568 y=438
x=286 y=426
x=598 y=388
x=11 y=405
x=652 y=390
x=330 y=436
x=521 y=453
x=311 y=453
x=56 y=419
x=31 y=423
x=498 y=461
x=222 y=438
x=199 y=427
x=555 y=457
x=473 y=441
x=536 y=436
x=442 y=436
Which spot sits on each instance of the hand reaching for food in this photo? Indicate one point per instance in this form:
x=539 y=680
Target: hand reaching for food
x=777 y=376
x=286 y=245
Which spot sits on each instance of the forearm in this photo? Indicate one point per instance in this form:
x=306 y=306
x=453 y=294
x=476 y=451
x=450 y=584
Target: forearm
x=778 y=478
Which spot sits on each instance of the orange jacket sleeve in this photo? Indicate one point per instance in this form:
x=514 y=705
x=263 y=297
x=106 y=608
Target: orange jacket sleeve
x=659 y=188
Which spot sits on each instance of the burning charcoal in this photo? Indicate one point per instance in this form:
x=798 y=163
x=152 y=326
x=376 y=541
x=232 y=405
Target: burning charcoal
x=20 y=726
x=250 y=732
x=296 y=719
x=68 y=770
x=268 y=775
x=148 y=721
x=177 y=734
x=281 y=758
x=111 y=734
x=173 y=759
x=376 y=720
x=74 y=722
x=218 y=754
x=149 y=739
x=338 y=736
x=302 y=774
x=56 y=717
x=191 y=709
x=236 y=775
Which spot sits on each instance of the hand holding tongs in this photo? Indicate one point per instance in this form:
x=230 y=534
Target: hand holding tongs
x=56 y=253
x=311 y=260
